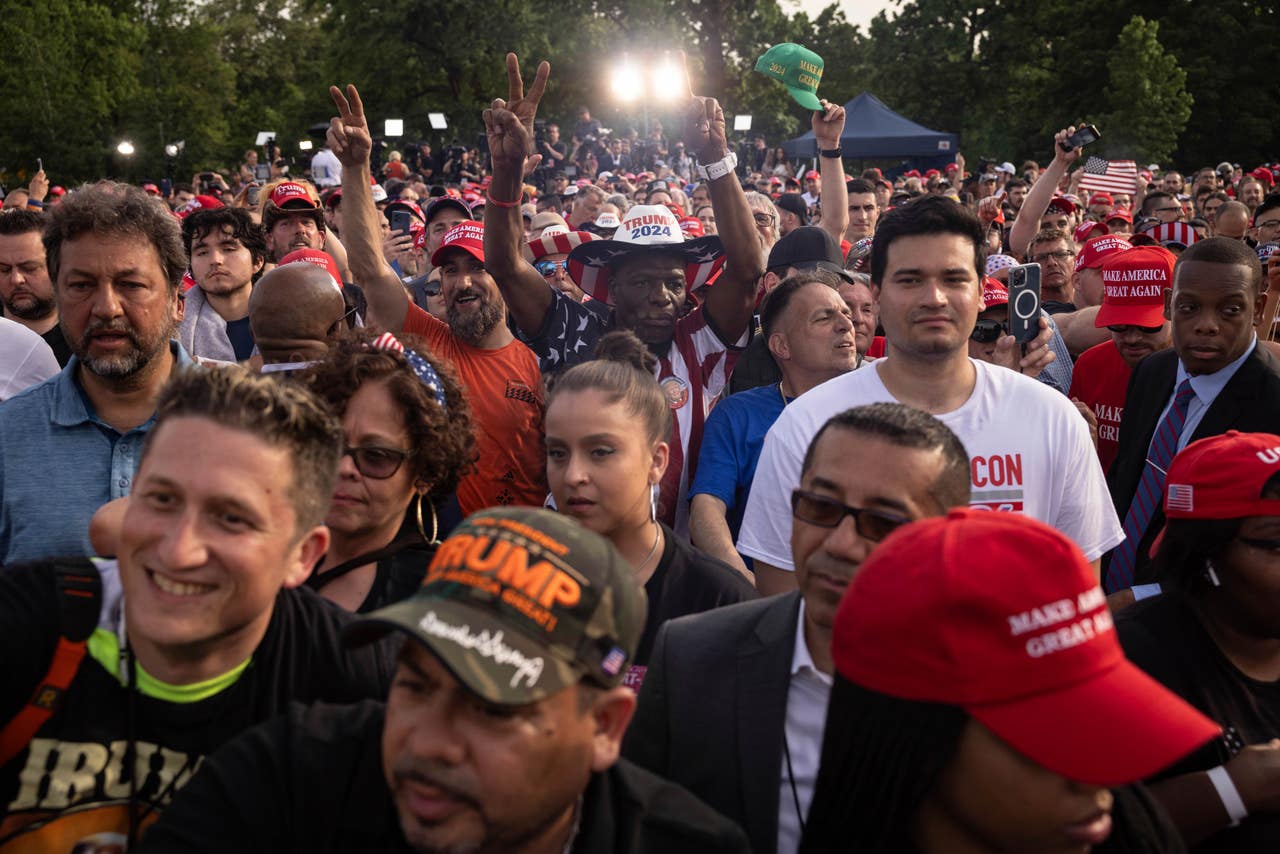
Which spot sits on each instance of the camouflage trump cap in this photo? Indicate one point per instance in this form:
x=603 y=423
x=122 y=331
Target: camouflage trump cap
x=519 y=604
x=797 y=68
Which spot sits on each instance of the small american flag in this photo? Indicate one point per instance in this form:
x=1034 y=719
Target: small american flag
x=612 y=663
x=1180 y=497
x=1110 y=176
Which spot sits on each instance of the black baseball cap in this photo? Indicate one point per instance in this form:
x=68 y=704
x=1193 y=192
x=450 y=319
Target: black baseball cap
x=442 y=202
x=808 y=248
x=794 y=203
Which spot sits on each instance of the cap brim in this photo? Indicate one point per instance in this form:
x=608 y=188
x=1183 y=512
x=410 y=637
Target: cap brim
x=1116 y=727
x=495 y=662
x=829 y=266
x=590 y=263
x=1129 y=315
x=438 y=256
x=805 y=98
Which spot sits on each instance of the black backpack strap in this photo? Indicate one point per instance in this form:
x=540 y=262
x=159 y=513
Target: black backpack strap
x=79 y=587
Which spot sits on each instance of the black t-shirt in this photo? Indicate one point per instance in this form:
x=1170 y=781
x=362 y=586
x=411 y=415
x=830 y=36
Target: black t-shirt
x=312 y=781
x=77 y=757
x=1165 y=638
x=687 y=581
x=58 y=344
x=1056 y=307
x=396 y=577
x=241 y=338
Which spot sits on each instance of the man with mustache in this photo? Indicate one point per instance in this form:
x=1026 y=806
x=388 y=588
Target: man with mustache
x=293 y=220
x=734 y=701
x=70 y=444
x=501 y=731
x=499 y=374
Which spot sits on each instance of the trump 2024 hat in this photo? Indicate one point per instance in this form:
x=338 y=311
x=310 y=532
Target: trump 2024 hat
x=521 y=603
x=1002 y=616
x=651 y=229
x=797 y=68
x=1133 y=286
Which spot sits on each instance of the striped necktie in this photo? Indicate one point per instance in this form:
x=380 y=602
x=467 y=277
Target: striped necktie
x=1164 y=444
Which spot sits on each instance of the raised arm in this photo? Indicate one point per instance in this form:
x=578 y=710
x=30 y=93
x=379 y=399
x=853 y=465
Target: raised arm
x=732 y=299
x=828 y=125
x=350 y=142
x=1040 y=194
x=509 y=125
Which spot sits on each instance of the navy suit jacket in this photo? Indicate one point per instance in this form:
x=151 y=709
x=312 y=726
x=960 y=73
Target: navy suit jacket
x=1250 y=402
x=712 y=709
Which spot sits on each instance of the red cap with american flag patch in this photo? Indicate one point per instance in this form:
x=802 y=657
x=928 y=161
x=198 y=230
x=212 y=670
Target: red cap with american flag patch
x=1222 y=477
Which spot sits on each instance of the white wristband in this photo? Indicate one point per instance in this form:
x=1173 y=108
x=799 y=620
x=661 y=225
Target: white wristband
x=1228 y=794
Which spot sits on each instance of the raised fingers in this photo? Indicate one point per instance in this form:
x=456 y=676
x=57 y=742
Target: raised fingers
x=515 y=84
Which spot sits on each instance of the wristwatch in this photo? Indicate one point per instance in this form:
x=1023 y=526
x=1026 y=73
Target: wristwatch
x=833 y=153
x=719 y=168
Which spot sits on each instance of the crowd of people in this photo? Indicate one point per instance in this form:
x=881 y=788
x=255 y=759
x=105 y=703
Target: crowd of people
x=634 y=495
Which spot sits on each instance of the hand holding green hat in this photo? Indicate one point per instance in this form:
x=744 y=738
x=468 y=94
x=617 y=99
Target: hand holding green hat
x=797 y=68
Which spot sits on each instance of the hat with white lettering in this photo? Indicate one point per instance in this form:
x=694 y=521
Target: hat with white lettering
x=1222 y=477
x=644 y=230
x=521 y=603
x=1133 y=286
x=1095 y=250
x=1001 y=615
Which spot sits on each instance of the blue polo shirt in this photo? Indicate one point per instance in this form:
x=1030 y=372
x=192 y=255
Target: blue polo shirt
x=58 y=464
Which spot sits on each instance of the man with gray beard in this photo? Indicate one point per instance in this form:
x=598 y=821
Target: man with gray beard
x=70 y=444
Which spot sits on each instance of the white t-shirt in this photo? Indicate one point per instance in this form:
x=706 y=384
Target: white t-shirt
x=25 y=359
x=1029 y=452
x=326 y=169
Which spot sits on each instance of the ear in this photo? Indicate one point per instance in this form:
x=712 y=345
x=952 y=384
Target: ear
x=610 y=714
x=658 y=466
x=421 y=487
x=259 y=264
x=779 y=346
x=310 y=548
x=770 y=281
x=179 y=305
x=1260 y=301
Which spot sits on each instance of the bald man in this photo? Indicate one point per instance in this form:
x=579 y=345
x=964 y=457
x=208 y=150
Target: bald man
x=1231 y=220
x=293 y=312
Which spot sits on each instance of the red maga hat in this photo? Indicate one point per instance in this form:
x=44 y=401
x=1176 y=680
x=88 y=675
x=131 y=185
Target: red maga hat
x=1086 y=229
x=1002 y=616
x=993 y=293
x=1096 y=249
x=467 y=236
x=317 y=258
x=1133 y=286
x=1102 y=199
x=1120 y=213
x=1222 y=477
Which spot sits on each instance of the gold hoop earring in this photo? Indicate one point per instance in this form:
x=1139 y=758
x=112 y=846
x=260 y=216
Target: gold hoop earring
x=435 y=528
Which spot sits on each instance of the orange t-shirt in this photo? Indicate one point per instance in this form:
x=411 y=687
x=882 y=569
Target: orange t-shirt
x=503 y=387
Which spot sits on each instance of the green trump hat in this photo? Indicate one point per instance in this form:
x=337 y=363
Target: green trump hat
x=797 y=68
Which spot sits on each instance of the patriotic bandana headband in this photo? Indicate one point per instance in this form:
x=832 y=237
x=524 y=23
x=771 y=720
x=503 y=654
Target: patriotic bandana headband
x=421 y=367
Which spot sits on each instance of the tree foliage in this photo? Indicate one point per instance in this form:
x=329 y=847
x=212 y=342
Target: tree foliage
x=80 y=75
x=1141 y=72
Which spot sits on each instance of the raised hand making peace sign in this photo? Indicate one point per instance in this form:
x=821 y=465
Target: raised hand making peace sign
x=348 y=133
x=509 y=123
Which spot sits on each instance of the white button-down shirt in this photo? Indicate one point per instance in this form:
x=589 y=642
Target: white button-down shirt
x=807 y=696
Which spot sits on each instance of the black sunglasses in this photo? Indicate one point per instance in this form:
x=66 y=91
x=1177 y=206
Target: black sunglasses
x=1121 y=328
x=986 y=331
x=872 y=525
x=377 y=462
